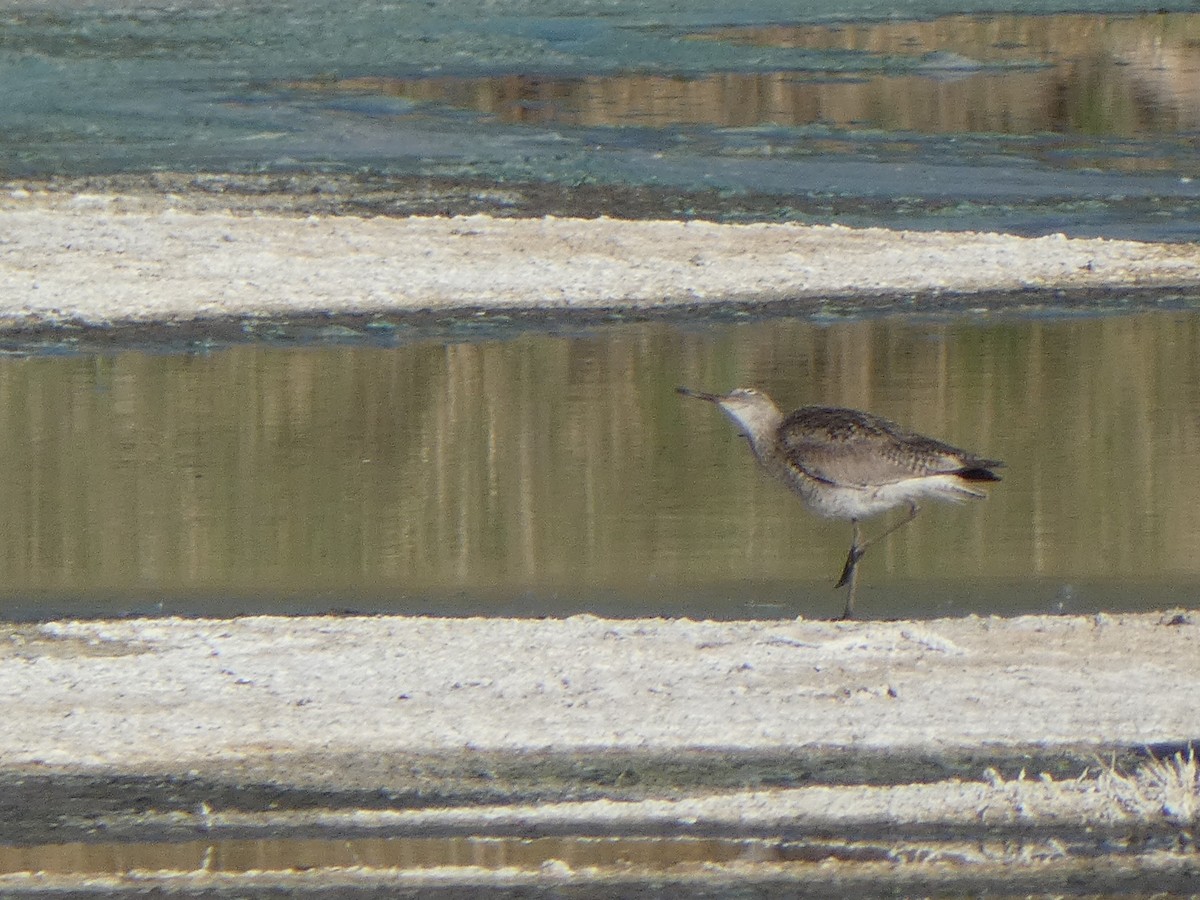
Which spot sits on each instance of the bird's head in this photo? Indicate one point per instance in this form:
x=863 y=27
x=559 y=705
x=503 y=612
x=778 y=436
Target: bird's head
x=753 y=411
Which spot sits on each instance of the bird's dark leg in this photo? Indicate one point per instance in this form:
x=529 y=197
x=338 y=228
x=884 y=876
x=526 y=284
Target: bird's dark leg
x=850 y=570
x=852 y=558
x=857 y=548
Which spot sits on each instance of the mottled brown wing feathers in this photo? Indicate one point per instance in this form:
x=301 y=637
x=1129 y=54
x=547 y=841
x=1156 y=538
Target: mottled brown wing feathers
x=849 y=447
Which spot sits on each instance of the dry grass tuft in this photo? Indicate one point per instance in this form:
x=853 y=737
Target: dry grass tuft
x=1167 y=787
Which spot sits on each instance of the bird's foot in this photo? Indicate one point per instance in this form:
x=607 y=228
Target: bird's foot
x=852 y=559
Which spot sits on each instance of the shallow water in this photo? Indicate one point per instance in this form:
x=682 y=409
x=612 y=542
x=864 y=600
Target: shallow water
x=606 y=866
x=1072 y=76
x=532 y=472
x=235 y=856
x=934 y=115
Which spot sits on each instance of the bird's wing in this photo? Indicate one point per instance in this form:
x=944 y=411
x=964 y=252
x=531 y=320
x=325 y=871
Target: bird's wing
x=851 y=448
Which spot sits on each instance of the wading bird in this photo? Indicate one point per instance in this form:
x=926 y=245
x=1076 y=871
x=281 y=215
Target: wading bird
x=847 y=464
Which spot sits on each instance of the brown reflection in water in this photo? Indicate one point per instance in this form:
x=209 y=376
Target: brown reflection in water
x=233 y=856
x=550 y=462
x=1101 y=75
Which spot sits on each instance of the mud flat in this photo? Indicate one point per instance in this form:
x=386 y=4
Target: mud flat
x=97 y=258
x=536 y=756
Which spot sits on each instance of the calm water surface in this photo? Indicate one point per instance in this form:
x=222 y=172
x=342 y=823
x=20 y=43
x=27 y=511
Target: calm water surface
x=541 y=473
x=1081 y=75
x=1029 y=116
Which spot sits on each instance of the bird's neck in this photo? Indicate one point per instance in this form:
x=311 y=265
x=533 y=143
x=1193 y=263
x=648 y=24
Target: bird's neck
x=759 y=424
x=761 y=428
x=766 y=450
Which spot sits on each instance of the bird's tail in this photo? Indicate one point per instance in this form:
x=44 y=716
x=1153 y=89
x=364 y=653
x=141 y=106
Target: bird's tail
x=960 y=484
x=979 y=473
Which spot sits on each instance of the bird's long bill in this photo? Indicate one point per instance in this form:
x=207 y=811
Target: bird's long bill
x=699 y=395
